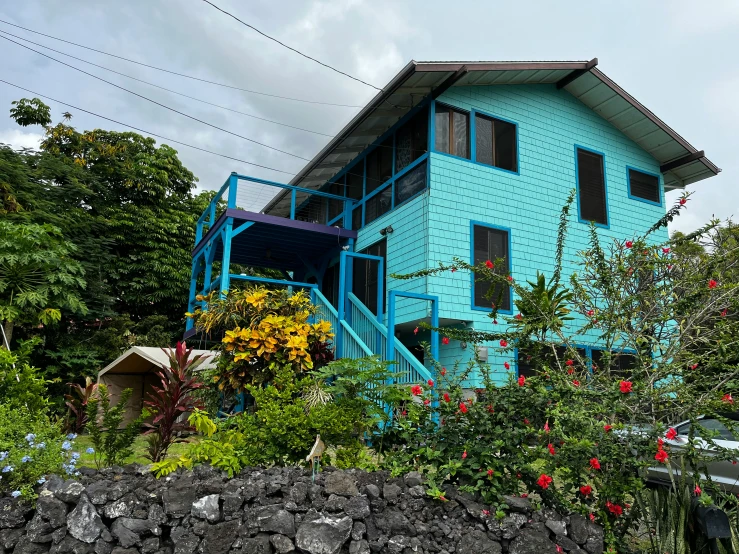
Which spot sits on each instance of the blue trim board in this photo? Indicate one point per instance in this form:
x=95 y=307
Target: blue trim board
x=660 y=186
x=472 y=262
x=607 y=225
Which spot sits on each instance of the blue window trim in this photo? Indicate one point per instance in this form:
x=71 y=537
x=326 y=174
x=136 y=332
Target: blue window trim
x=660 y=186
x=472 y=262
x=607 y=225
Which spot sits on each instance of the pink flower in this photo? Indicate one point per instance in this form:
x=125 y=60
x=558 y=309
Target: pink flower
x=416 y=390
x=724 y=312
x=445 y=340
x=546 y=427
x=489 y=264
x=503 y=343
x=592 y=516
x=625 y=387
x=521 y=380
x=464 y=454
x=426 y=402
x=415 y=331
x=544 y=481
x=591 y=313
x=671 y=434
x=697 y=490
x=712 y=284
x=486 y=512
x=559 y=549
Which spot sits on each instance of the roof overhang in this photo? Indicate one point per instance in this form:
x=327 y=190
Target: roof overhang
x=582 y=79
x=139 y=360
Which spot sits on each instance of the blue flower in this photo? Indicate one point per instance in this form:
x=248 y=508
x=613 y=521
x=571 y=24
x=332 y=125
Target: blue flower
x=66 y=445
x=15 y=494
x=7 y=469
x=30 y=437
x=90 y=450
x=3 y=455
x=41 y=445
x=75 y=456
x=41 y=481
x=25 y=459
x=72 y=436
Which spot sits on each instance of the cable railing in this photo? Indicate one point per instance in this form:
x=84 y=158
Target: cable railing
x=250 y=194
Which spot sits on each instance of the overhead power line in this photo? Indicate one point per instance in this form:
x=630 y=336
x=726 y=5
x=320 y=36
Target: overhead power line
x=319 y=62
x=157 y=103
x=143 y=130
x=180 y=74
x=165 y=88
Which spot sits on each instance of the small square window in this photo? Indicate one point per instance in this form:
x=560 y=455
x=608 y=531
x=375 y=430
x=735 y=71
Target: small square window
x=644 y=185
x=591 y=187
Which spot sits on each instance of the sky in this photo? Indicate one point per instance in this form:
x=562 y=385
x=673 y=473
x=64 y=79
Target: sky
x=677 y=57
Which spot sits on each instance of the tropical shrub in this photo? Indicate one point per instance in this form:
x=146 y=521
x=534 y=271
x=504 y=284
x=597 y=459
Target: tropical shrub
x=172 y=399
x=76 y=402
x=111 y=440
x=263 y=331
x=21 y=385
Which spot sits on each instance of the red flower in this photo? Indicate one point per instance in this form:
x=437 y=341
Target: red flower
x=430 y=383
x=546 y=426
x=415 y=331
x=490 y=472
x=559 y=549
x=490 y=264
x=694 y=366
x=592 y=517
x=697 y=490
x=416 y=390
x=454 y=269
x=443 y=371
x=712 y=284
x=519 y=316
x=665 y=250
x=526 y=421
x=544 y=481
x=594 y=463
x=446 y=397
x=586 y=490
x=490 y=409
x=463 y=407
x=510 y=279
x=683 y=201
x=629 y=244
x=506 y=365
x=445 y=340
x=570 y=362
x=591 y=313
x=403 y=413
x=524 y=495
x=464 y=454
x=576 y=382
x=486 y=512
x=518 y=475
x=607 y=427
x=522 y=381
x=660 y=444
x=550 y=446
x=661 y=456
x=426 y=402
x=723 y=313
x=495 y=321
x=671 y=434
x=669 y=266
x=615 y=509
x=625 y=387
x=503 y=343
x=727 y=398
x=570 y=371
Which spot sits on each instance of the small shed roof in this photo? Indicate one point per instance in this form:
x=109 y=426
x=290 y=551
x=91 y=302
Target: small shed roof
x=143 y=359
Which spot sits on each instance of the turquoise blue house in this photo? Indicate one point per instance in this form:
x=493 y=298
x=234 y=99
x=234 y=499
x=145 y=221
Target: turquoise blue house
x=451 y=159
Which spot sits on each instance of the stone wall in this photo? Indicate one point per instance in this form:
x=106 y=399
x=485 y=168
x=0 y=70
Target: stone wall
x=128 y=511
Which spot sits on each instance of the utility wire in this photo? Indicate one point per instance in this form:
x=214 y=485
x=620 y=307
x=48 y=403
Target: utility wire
x=143 y=130
x=157 y=103
x=290 y=47
x=165 y=88
x=179 y=74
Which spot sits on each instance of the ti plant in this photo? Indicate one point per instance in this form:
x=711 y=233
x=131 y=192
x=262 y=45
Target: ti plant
x=172 y=399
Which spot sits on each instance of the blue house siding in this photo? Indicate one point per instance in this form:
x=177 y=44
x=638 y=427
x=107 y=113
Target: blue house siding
x=550 y=124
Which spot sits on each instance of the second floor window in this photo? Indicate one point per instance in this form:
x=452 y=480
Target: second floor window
x=452 y=128
x=644 y=185
x=591 y=187
x=491 y=244
x=495 y=143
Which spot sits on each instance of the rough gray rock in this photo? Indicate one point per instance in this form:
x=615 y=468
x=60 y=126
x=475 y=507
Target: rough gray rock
x=122 y=507
x=394 y=522
x=257 y=545
x=391 y=492
x=219 y=538
x=273 y=519
x=84 y=522
x=186 y=544
x=556 y=527
x=323 y=535
x=341 y=483
x=477 y=542
x=51 y=509
x=578 y=528
x=178 y=499
x=413 y=479
x=531 y=542
x=373 y=491
x=357 y=507
x=359 y=547
x=282 y=544
x=358 y=530
x=207 y=508
x=518 y=504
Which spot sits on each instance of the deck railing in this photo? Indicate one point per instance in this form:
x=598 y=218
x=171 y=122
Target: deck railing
x=258 y=195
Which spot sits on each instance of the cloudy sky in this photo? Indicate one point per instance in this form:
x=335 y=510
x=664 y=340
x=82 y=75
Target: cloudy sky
x=676 y=56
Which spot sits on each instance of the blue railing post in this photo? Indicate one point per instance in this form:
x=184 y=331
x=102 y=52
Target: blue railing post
x=390 y=342
x=293 y=197
x=435 y=325
x=193 y=291
x=209 y=253
x=226 y=260
x=341 y=308
x=212 y=214
x=233 y=188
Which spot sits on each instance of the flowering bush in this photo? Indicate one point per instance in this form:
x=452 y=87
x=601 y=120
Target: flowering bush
x=263 y=331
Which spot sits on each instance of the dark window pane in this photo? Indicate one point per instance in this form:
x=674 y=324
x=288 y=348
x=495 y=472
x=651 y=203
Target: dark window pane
x=335 y=207
x=364 y=281
x=591 y=187
x=355 y=181
x=505 y=145
x=441 y=138
x=357 y=218
x=410 y=183
x=491 y=244
x=379 y=165
x=525 y=365
x=484 y=140
x=461 y=126
x=644 y=186
x=411 y=140
x=379 y=204
x=313 y=211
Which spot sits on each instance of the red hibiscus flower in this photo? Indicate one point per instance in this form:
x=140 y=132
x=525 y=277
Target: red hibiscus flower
x=519 y=316
x=594 y=463
x=464 y=454
x=550 y=446
x=671 y=434
x=526 y=421
x=712 y=284
x=697 y=490
x=661 y=456
x=495 y=321
x=463 y=407
x=430 y=383
x=727 y=398
x=570 y=371
x=445 y=340
x=546 y=426
x=503 y=343
x=592 y=517
x=660 y=444
x=576 y=382
x=724 y=312
x=615 y=509
x=669 y=266
x=490 y=472
x=416 y=390
x=426 y=402
x=586 y=490
x=403 y=413
x=683 y=201
x=607 y=427
x=506 y=365
x=522 y=381
x=524 y=495
x=490 y=409
x=665 y=250
x=570 y=362
x=544 y=481
x=591 y=313
x=486 y=512
x=443 y=371
x=625 y=387
x=446 y=397
x=629 y=244
x=490 y=264
x=415 y=331
x=694 y=366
